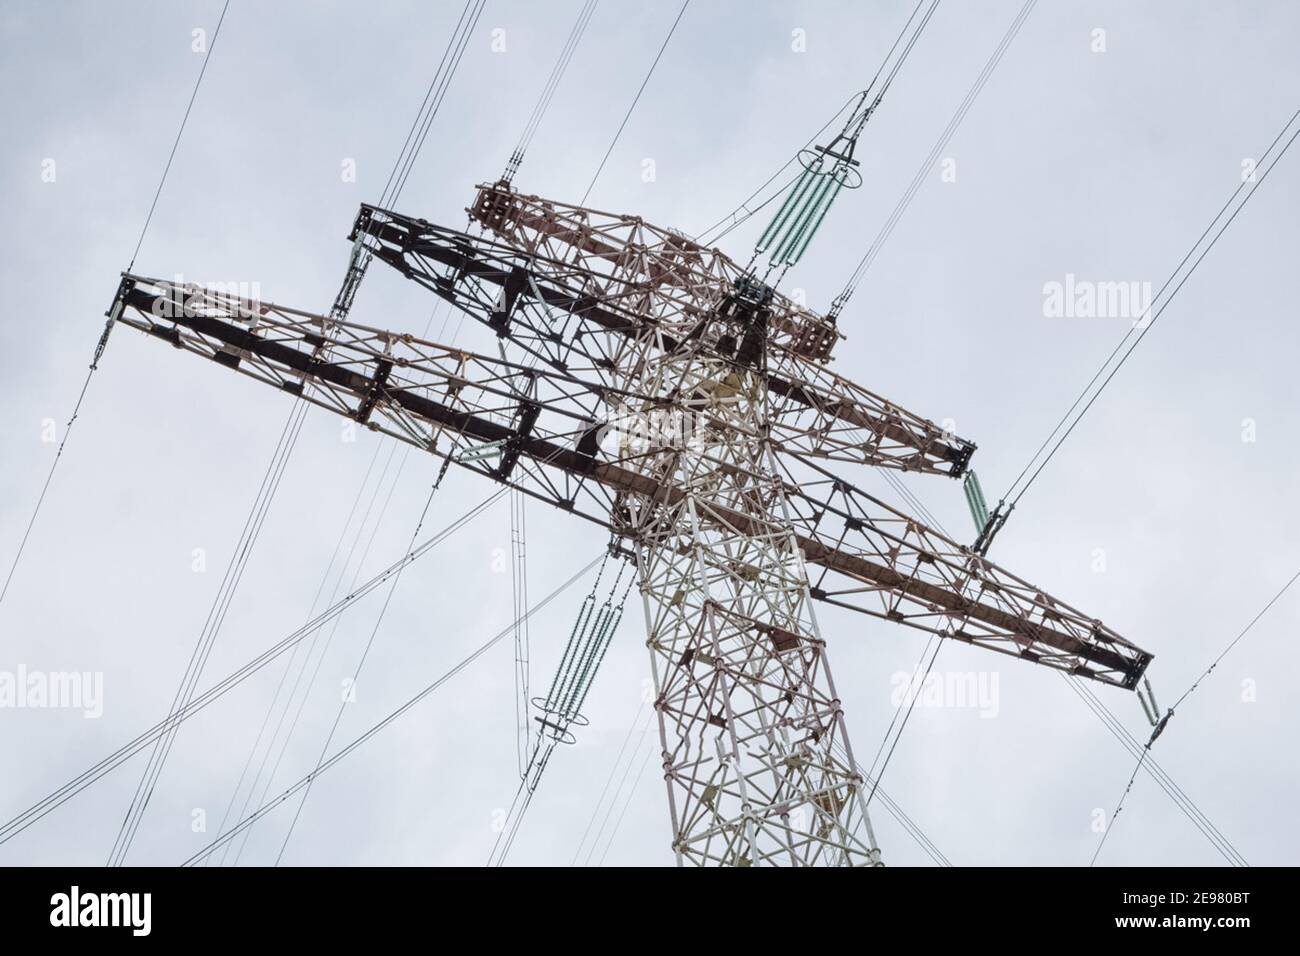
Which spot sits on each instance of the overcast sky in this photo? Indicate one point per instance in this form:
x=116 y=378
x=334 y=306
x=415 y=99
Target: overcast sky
x=1104 y=165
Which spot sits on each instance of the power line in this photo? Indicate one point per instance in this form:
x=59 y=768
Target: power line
x=898 y=64
x=519 y=596
x=1179 y=797
x=910 y=826
x=928 y=163
x=903 y=726
x=1145 y=328
x=316 y=639
x=743 y=213
x=365 y=653
x=436 y=102
x=548 y=90
x=1109 y=721
x=362 y=254
x=645 y=762
x=1147 y=749
x=176 y=143
x=108 y=327
x=1114 y=817
x=325 y=765
x=329 y=638
x=266 y=720
x=433 y=98
x=211 y=628
x=645 y=728
x=627 y=738
x=636 y=99
x=1236 y=640
x=87 y=777
x=1176 y=794
x=58 y=455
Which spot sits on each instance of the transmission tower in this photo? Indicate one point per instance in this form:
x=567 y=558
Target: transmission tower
x=657 y=388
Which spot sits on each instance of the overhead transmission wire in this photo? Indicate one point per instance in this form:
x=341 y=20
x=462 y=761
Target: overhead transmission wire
x=397 y=180
x=636 y=750
x=412 y=145
x=311 y=681
x=1236 y=640
x=108 y=326
x=1140 y=330
x=301 y=670
x=548 y=89
x=519 y=594
x=211 y=629
x=636 y=99
x=349 y=748
x=1188 y=807
x=433 y=99
x=519 y=565
x=914 y=687
x=1179 y=797
x=631 y=791
x=79 y=783
x=518 y=522
x=618 y=760
x=1143 y=327
x=362 y=254
x=525 y=792
x=310 y=648
x=289 y=666
x=592 y=633
x=203 y=68
x=910 y=826
x=911 y=42
x=1146 y=750
x=913 y=694
x=365 y=653
x=927 y=164
x=743 y=212
x=1094 y=703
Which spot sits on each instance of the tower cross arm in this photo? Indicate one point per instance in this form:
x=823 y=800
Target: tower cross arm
x=544 y=432
x=580 y=290
x=878 y=560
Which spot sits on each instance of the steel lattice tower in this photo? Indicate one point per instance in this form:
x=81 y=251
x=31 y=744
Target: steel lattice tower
x=655 y=387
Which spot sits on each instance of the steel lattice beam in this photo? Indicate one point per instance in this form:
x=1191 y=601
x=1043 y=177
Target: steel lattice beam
x=737 y=527
x=566 y=316
x=866 y=555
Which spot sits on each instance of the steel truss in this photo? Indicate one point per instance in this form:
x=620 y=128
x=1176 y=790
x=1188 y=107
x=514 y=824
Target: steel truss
x=725 y=499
